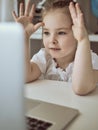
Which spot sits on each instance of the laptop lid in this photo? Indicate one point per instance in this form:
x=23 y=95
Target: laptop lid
x=11 y=76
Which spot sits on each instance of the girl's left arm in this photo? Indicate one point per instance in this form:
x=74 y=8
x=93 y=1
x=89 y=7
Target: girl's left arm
x=84 y=78
x=96 y=76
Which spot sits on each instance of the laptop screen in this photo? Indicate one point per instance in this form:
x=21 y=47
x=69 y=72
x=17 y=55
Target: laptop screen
x=11 y=76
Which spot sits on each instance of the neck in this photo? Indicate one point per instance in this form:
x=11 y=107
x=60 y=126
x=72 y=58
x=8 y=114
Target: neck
x=65 y=61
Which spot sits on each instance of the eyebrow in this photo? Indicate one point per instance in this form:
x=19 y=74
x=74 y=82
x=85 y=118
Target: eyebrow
x=62 y=28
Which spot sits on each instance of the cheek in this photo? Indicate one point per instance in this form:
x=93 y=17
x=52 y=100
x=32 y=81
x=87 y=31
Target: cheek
x=69 y=43
x=45 y=42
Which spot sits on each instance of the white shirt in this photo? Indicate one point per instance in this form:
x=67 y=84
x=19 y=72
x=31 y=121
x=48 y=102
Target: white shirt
x=49 y=69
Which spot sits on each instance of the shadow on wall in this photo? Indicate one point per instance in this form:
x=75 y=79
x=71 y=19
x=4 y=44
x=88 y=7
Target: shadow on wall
x=94 y=7
x=90 y=19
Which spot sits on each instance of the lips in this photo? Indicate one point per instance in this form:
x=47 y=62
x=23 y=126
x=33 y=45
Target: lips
x=55 y=49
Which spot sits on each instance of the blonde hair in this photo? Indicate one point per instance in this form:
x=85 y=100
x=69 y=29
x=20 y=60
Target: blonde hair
x=51 y=5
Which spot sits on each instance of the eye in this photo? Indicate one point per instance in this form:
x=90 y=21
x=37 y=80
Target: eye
x=62 y=33
x=46 y=33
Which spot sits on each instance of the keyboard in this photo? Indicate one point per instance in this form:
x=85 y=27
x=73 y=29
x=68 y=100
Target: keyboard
x=37 y=124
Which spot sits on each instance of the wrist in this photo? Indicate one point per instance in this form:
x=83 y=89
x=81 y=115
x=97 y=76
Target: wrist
x=26 y=39
x=84 y=40
x=83 y=35
x=84 y=44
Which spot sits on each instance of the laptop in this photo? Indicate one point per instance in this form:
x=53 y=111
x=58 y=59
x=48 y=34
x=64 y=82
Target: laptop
x=42 y=115
x=11 y=76
x=16 y=111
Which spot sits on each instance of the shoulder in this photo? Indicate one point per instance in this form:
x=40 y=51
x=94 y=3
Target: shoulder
x=41 y=52
x=94 y=55
x=41 y=59
x=41 y=55
x=94 y=60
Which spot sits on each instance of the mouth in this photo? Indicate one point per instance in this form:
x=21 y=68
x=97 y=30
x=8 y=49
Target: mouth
x=55 y=49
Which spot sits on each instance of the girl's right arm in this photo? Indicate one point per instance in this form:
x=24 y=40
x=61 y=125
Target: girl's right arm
x=32 y=70
x=25 y=18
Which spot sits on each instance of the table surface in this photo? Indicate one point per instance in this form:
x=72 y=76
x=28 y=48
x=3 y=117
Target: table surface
x=59 y=92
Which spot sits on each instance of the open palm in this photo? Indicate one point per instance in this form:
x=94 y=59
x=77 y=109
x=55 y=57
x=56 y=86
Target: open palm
x=25 y=18
x=78 y=27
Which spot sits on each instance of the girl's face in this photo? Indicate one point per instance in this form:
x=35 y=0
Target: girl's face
x=58 y=37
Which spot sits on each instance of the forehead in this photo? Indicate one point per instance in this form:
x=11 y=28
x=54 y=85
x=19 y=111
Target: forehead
x=57 y=18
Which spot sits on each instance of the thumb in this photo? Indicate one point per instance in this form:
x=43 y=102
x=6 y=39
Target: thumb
x=38 y=25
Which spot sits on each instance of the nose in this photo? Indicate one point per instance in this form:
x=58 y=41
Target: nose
x=53 y=39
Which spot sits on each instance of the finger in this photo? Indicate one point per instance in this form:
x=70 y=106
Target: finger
x=14 y=15
x=27 y=9
x=79 y=14
x=81 y=19
x=32 y=11
x=72 y=10
x=78 y=10
x=38 y=25
x=21 y=9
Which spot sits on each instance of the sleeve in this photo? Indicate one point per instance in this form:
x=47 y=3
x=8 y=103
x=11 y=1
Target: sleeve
x=40 y=59
x=95 y=60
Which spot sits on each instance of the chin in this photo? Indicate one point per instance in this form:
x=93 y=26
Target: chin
x=56 y=56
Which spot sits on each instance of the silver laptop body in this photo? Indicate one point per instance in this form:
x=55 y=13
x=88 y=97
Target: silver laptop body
x=58 y=117
x=11 y=77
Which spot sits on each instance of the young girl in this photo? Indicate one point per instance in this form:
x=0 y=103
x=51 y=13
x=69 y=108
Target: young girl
x=67 y=55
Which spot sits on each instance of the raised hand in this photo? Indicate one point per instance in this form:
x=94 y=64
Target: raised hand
x=78 y=26
x=26 y=17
